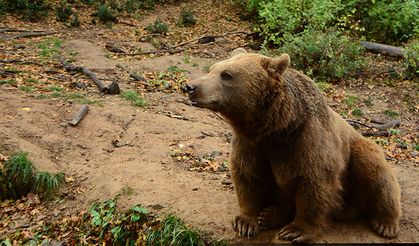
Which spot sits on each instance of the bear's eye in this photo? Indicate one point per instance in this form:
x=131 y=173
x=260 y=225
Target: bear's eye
x=226 y=75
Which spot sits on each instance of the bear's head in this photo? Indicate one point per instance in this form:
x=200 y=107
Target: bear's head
x=240 y=87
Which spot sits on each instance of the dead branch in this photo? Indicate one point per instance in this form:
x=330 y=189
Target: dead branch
x=380 y=127
x=376 y=134
x=383 y=49
x=171 y=51
x=207 y=37
x=111 y=47
x=8 y=29
x=27 y=34
x=21 y=62
x=111 y=89
x=79 y=115
x=388 y=125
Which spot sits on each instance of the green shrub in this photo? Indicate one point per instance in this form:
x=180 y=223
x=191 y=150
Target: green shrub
x=63 y=11
x=75 y=22
x=327 y=55
x=390 y=21
x=279 y=18
x=411 y=60
x=31 y=10
x=105 y=14
x=186 y=18
x=157 y=27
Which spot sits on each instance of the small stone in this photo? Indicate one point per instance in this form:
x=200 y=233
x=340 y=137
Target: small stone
x=226 y=182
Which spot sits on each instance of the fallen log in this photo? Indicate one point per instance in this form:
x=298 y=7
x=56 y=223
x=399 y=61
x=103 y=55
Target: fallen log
x=113 y=88
x=79 y=115
x=380 y=127
x=207 y=37
x=376 y=134
x=21 y=62
x=383 y=49
x=171 y=51
x=27 y=34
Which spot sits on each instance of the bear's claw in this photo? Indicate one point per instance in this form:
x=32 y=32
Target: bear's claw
x=385 y=229
x=292 y=232
x=245 y=226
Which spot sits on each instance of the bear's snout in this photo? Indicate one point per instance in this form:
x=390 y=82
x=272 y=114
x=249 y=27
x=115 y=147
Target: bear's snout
x=190 y=89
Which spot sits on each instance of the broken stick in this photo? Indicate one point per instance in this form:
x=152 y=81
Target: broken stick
x=112 y=89
x=79 y=115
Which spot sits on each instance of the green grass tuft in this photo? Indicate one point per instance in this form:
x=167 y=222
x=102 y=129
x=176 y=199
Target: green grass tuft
x=47 y=183
x=174 y=232
x=133 y=96
x=19 y=177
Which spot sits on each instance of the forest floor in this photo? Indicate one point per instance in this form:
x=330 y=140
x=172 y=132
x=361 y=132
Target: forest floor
x=171 y=157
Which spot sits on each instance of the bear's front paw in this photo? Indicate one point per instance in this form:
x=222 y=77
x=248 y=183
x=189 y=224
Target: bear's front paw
x=389 y=230
x=295 y=233
x=269 y=218
x=245 y=226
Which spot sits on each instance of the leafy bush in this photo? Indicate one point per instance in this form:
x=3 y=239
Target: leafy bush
x=18 y=177
x=63 y=11
x=186 y=18
x=411 y=60
x=105 y=14
x=388 y=21
x=324 y=55
x=28 y=9
x=157 y=27
x=286 y=17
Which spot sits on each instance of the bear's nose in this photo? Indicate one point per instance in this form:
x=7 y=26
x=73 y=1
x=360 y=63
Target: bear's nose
x=190 y=89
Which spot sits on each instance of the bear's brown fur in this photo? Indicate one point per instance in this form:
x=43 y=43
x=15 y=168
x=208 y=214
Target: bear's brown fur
x=295 y=163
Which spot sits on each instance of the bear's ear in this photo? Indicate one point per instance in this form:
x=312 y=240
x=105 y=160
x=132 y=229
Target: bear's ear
x=276 y=66
x=238 y=51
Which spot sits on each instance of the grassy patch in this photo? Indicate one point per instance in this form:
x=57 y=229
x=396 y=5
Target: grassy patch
x=49 y=48
x=357 y=112
x=173 y=232
x=72 y=97
x=26 y=88
x=351 y=101
x=18 y=177
x=391 y=113
x=8 y=82
x=135 y=99
x=55 y=88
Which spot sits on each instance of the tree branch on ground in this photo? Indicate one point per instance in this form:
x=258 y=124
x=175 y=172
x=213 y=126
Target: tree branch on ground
x=113 y=88
x=79 y=115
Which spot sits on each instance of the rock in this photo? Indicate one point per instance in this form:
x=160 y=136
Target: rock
x=226 y=182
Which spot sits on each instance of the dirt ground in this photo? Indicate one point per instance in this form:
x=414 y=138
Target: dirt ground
x=118 y=146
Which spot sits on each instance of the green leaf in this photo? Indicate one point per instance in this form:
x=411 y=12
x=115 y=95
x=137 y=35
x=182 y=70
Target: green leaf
x=135 y=217
x=139 y=209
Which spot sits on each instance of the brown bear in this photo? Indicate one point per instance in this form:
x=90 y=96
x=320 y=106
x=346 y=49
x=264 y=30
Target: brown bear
x=294 y=162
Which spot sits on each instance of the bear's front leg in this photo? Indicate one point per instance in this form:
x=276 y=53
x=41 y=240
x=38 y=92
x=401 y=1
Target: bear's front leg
x=313 y=202
x=253 y=197
x=254 y=186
